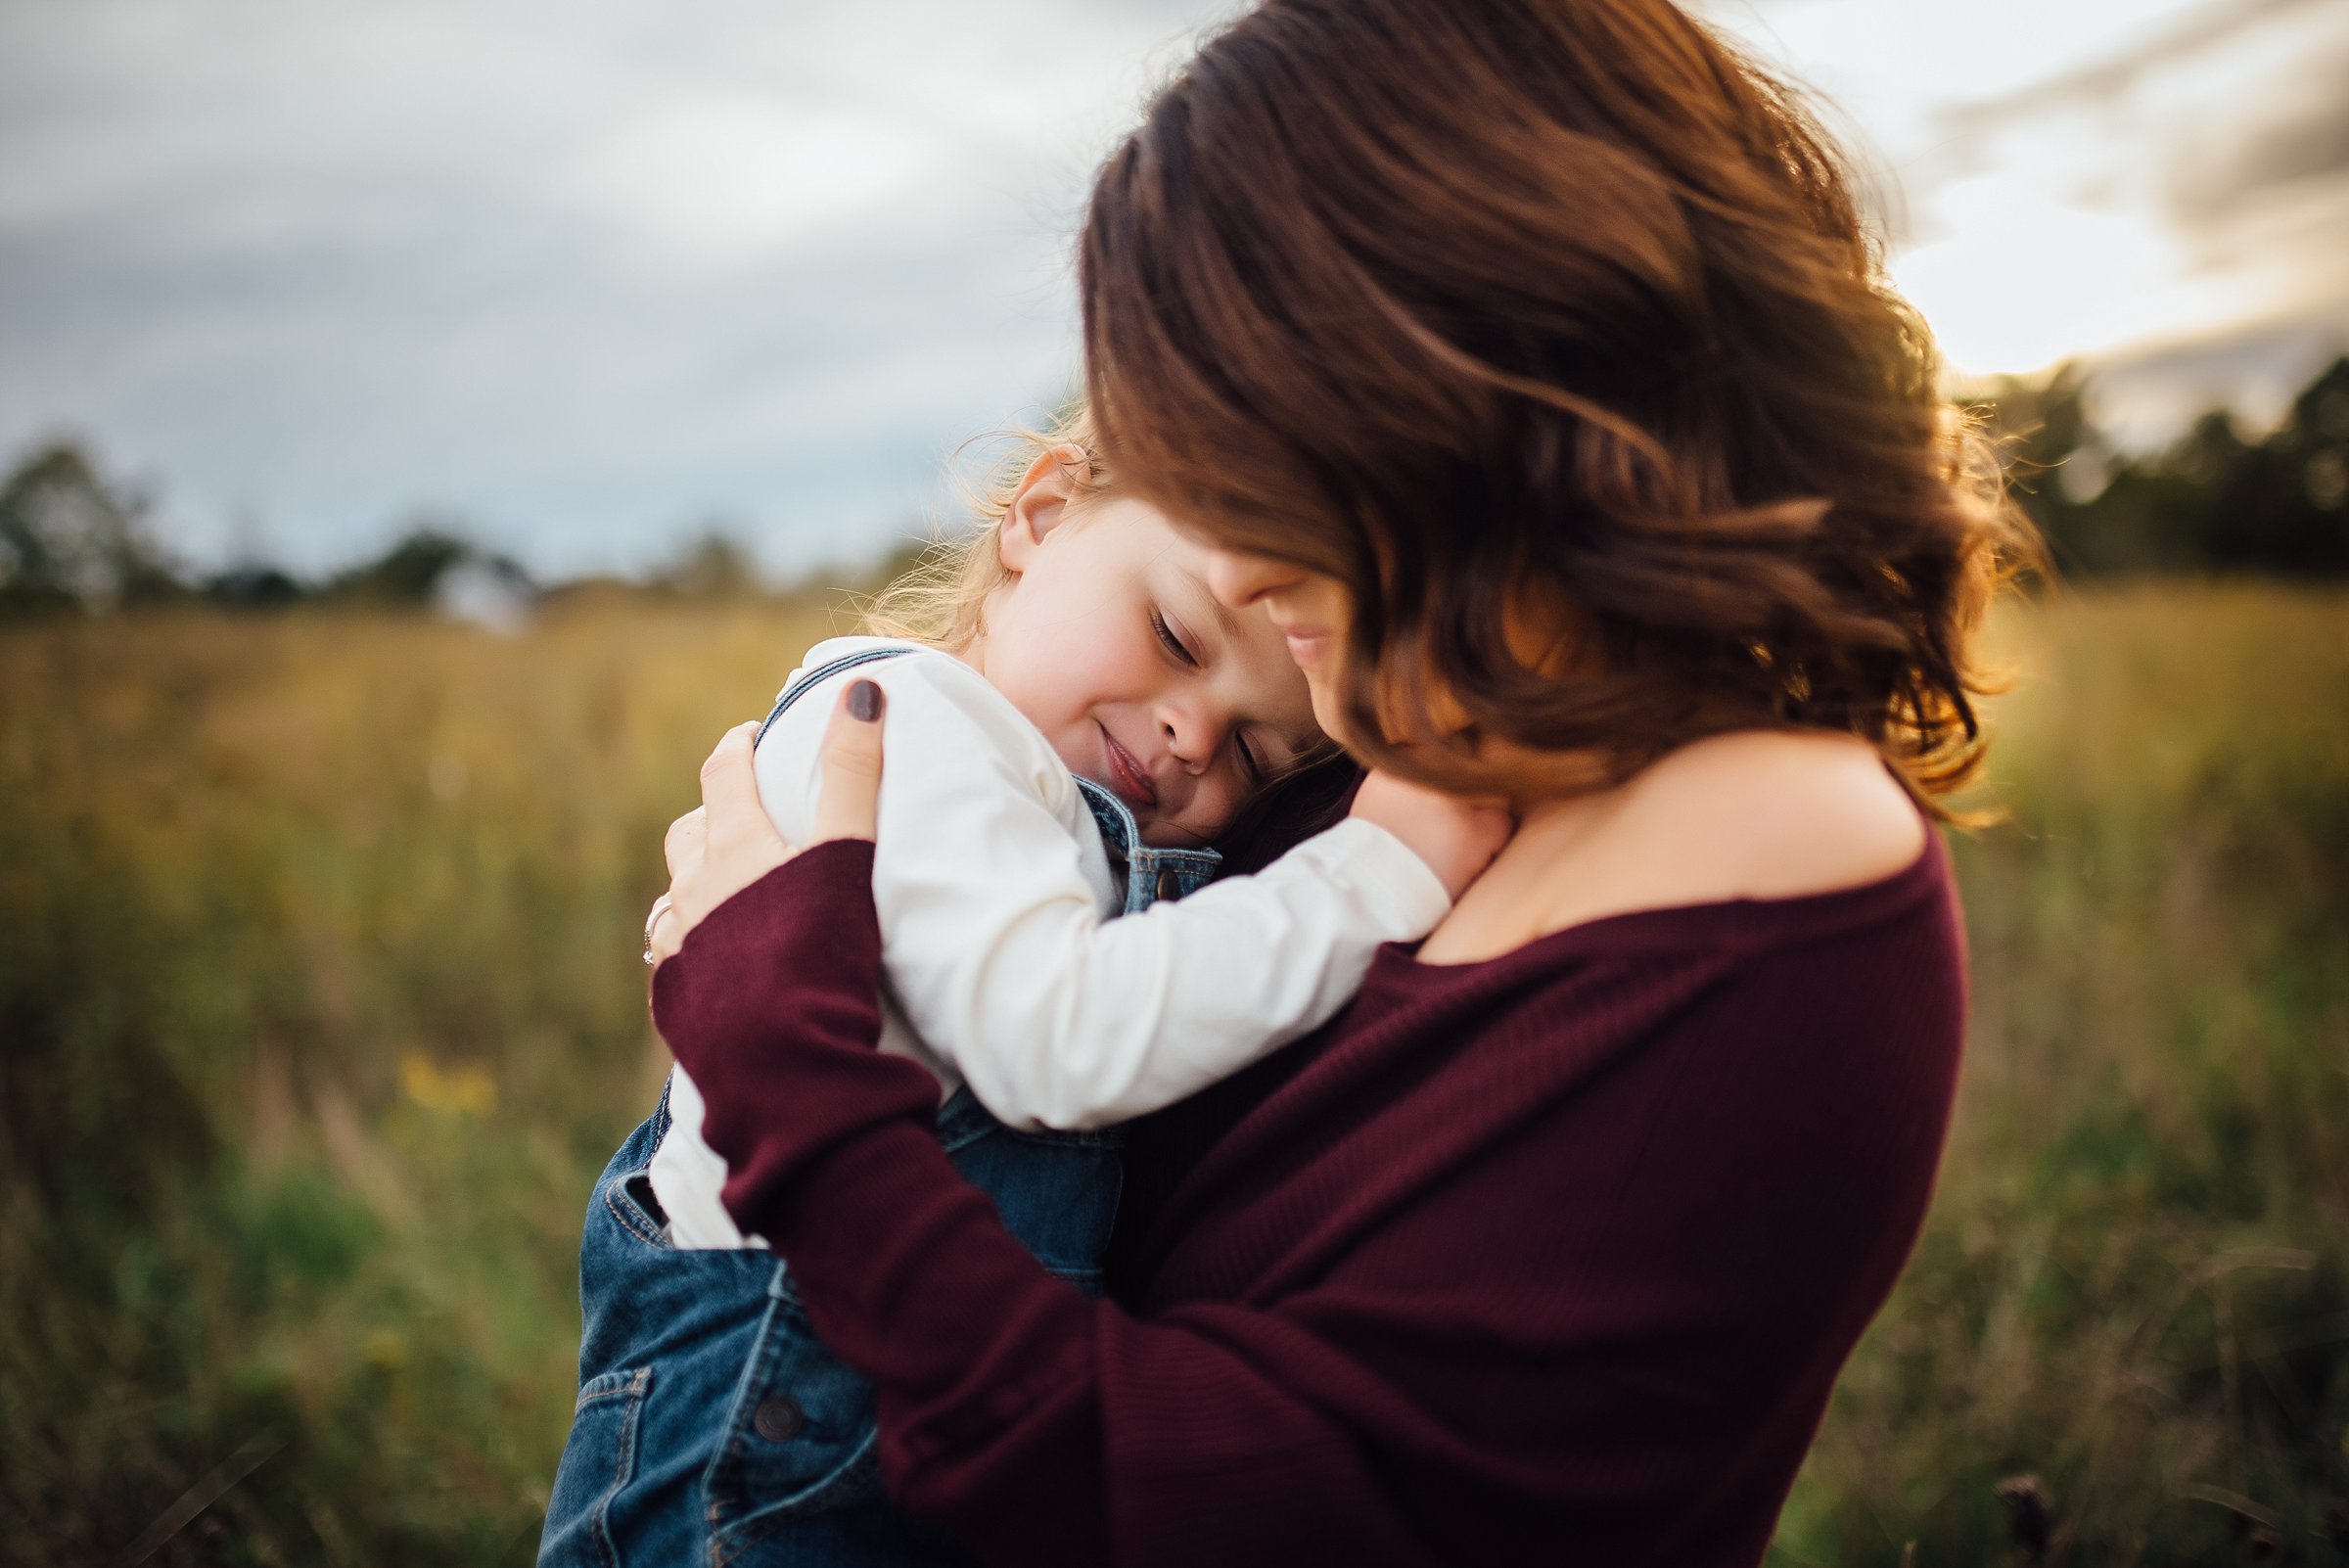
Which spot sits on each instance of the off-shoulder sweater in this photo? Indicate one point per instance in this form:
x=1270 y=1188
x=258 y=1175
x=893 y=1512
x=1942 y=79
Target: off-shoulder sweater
x=1553 y=1258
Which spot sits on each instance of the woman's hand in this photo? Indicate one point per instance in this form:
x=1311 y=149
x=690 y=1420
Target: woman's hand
x=727 y=843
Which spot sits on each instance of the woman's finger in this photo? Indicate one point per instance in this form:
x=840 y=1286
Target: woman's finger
x=663 y=930
x=681 y=845
x=730 y=789
x=849 y=805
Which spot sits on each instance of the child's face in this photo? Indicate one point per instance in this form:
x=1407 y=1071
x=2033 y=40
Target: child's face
x=1109 y=641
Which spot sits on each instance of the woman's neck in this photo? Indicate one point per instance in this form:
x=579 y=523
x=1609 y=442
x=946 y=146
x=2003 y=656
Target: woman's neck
x=1510 y=902
x=1754 y=814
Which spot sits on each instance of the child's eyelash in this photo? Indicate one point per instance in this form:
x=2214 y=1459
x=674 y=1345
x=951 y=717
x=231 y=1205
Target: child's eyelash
x=1157 y=624
x=1250 y=762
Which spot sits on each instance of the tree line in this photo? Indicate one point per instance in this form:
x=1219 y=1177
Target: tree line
x=76 y=540
x=2215 y=501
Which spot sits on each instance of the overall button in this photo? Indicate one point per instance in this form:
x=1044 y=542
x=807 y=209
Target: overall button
x=778 y=1419
x=1170 y=885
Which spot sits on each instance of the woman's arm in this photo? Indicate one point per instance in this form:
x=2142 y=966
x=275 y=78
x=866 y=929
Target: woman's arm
x=1040 y=1424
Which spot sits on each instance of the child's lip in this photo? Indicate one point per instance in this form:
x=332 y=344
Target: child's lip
x=1128 y=776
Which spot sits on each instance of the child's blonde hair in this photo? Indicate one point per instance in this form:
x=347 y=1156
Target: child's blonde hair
x=942 y=599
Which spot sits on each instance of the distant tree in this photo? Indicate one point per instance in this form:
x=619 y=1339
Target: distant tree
x=713 y=564
x=72 y=539
x=409 y=572
x=2054 y=459
x=254 y=585
x=2285 y=504
x=2165 y=512
x=2212 y=501
x=2042 y=428
x=413 y=570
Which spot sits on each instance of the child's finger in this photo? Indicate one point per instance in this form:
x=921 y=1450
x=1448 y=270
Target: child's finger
x=849 y=805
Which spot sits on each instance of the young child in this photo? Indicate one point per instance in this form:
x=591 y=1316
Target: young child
x=1074 y=718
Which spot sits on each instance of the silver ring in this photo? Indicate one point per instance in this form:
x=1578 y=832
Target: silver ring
x=661 y=907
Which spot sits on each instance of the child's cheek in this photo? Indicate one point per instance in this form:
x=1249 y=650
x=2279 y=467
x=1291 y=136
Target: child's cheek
x=1213 y=810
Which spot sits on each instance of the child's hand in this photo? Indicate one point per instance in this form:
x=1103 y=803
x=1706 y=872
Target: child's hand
x=1456 y=837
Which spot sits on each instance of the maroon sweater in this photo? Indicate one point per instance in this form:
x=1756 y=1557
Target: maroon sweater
x=1550 y=1258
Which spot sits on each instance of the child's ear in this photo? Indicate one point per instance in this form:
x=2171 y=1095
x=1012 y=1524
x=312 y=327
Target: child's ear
x=1039 y=504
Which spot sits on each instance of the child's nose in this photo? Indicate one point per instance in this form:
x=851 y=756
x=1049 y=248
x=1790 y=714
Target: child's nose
x=1192 y=731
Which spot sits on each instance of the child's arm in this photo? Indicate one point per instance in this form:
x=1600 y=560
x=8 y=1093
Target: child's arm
x=1083 y=1022
x=997 y=950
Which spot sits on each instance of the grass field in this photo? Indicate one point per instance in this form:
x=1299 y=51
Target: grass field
x=319 y=1008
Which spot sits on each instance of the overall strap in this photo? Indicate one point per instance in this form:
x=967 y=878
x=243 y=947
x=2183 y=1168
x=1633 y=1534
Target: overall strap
x=824 y=671
x=1150 y=874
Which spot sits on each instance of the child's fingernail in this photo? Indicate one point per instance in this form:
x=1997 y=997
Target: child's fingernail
x=865 y=701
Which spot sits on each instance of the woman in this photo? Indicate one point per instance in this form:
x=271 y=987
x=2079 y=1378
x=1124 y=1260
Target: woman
x=1527 y=364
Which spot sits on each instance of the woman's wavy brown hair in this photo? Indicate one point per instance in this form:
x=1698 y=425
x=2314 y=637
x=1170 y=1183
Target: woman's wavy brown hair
x=1551 y=329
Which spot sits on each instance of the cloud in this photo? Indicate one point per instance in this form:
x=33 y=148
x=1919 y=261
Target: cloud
x=2296 y=137
x=582 y=272
x=2118 y=74
x=729 y=178
x=2085 y=177
x=588 y=272
x=2143 y=397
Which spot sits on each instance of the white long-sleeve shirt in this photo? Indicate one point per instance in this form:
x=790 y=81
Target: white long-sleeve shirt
x=1003 y=968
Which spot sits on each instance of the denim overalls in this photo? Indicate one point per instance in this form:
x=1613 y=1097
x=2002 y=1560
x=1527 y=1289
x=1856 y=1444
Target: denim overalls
x=712 y=1427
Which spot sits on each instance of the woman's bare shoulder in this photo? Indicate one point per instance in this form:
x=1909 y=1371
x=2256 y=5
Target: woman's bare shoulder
x=1749 y=816
x=1778 y=814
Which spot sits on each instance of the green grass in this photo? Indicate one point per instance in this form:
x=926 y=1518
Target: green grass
x=319 y=1008
x=2134 y=1282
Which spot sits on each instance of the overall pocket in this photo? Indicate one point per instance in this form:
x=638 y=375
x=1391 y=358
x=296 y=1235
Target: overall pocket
x=799 y=1451
x=598 y=1460
x=799 y=1437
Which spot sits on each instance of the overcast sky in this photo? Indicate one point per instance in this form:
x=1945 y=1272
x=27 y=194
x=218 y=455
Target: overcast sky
x=591 y=275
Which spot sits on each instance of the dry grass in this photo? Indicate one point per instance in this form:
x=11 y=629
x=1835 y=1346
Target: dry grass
x=2135 y=1283
x=321 y=1005
x=319 y=1008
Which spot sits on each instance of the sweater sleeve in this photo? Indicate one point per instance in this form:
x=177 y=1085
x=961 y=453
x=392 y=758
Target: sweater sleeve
x=1041 y=1425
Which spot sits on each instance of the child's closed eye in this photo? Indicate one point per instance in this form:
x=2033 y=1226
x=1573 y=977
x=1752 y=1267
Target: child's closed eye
x=1252 y=763
x=1254 y=771
x=1173 y=644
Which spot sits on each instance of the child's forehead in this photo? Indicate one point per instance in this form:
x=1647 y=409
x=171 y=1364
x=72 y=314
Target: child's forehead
x=1128 y=519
